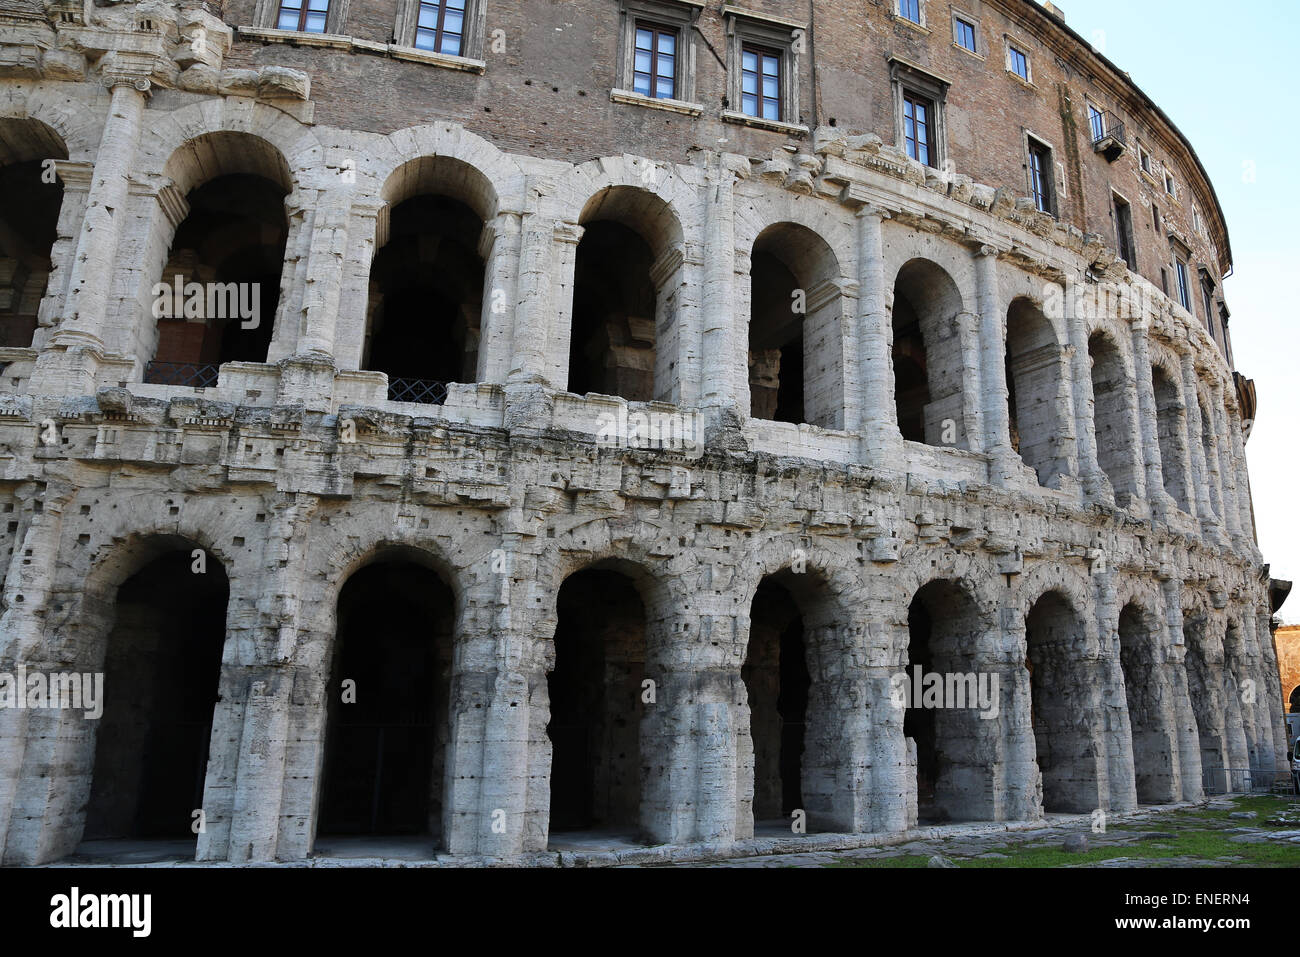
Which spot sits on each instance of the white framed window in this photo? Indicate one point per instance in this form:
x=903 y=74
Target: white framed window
x=449 y=28
x=911 y=10
x=919 y=122
x=763 y=55
x=1018 y=61
x=657 y=52
x=1171 y=186
x=966 y=32
x=302 y=16
x=1041 y=167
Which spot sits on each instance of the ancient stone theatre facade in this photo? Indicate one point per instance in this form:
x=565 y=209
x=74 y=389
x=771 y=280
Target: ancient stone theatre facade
x=475 y=421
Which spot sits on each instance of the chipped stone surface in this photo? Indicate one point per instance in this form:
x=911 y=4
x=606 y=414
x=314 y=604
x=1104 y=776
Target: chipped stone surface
x=1089 y=537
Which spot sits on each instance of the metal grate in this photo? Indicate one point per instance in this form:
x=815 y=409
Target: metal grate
x=1246 y=781
x=424 y=391
x=195 y=374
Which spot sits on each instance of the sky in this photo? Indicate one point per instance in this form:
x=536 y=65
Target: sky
x=1223 y=80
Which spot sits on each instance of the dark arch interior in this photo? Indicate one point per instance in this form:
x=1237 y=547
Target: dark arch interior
x=776 y=339
x=1170 y=436
x=911 y=379
x=952 y=781
x=426 y=293
x=777 y=684
x=385 y=748
x=235 y=233
x=29 y=215
x=612 y=348
x=1053 y=635
x=161 y=677
x=1151 y=763
x=596 y=704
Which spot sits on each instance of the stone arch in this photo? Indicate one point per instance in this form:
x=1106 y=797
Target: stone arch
x=606 y=760
x=805 y=617
x=1038 y=396
x=32 y=223
x=952 y=695
x=929 y=365
x=1171 y=432
x=796 y=328
x=428 y=276
x=1149 y=697
x=628 y=274
x=216 y=295
x=1114 y=414
x=387 y=735
x=155 y=619
x=78 y=128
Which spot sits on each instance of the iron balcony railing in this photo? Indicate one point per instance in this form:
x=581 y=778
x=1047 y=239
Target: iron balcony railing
x=423 y=391
x=199 y=375
x=1108 y=135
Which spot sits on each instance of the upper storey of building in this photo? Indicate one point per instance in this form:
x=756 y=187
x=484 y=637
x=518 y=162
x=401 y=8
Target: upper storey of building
x=1002 y=91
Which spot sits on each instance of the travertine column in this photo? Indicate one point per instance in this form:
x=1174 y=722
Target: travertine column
x=76 y=178
x=327 y=250
x=1227 y=472
x=1198 y=486
x=1161 y=502
x=92 y=265
x=1188 y=736
x=968 y=332
x=1020 y=777
x=718 y=370
x=1095 y=484
x=354 y=290
x=532 y=329
x=1004 y=464
x=882 y=442
x=1246 y=514
x=498 y=247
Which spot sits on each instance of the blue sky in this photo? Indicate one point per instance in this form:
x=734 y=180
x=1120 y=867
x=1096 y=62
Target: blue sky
x=1224 y=80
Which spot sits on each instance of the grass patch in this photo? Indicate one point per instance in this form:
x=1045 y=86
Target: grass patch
x=1200 y=834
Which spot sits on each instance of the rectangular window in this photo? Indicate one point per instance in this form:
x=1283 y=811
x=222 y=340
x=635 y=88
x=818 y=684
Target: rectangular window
x=1040 y=176
x=910 y=10
x=1097 y=122
x=1164 y=280
x=1145 y=160
x=1124 y=232
x=1170 y=187
x=1018 y=62
x=654 y=72
x=1207 y=300
x=760 y=83
x=918 y=127
x=441 y=26
x=1155 y=217
x=305 y=16
x=1184 y=294
x=963 y=34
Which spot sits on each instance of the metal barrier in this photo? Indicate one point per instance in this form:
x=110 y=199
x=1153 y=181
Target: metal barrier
x=1247 y=781
x=194 y=374
x=424 y=391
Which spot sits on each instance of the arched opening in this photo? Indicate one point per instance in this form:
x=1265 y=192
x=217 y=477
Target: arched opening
x=219 y=291
x=928 y=370
x=1036 y=401
x=1112 y=415
x=30 y=199
x=388 y=704
x=1055 y=642
x=1209 y=443
x=162 y=670
x=1147 y=697
x=427 y=279
x=946 y=692
x=776 y=680
x=1204 y=661
x=1170 y=434
x=626 y=290
x=596 y=705
x=1295 y=700
x=796 y=359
